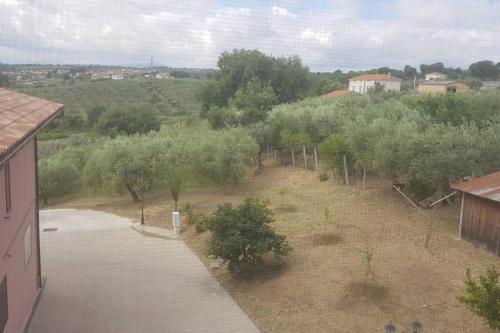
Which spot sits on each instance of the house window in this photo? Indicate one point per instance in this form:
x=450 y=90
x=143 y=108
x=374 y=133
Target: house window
x=8 y=199
x=4 y=305
x=27 y=246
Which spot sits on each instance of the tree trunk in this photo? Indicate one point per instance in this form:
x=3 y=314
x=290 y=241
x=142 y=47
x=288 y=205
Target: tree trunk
x=175 y=205
x=259 y=160
x=132 y=192
x=293 y=157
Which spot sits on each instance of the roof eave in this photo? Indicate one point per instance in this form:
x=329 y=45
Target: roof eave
x=7 y=155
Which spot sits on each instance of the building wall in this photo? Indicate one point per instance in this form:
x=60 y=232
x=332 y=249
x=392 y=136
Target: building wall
x=362 y=87
x=481 y=222
x=432 y=88
x=435 y=76
x=22 y=284
x=461 y=87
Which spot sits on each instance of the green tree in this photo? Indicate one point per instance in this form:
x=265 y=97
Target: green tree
x=124 y=163
x=241 y=236
x=254 y=100
x=287 y=77
x=128 y=120
x=333 y=150
x=57 y=177
x=483 y=297
x=409 y=71
x=485 y=70
x=94 y=114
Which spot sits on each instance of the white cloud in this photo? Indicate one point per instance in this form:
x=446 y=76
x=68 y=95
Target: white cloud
x=330 y=35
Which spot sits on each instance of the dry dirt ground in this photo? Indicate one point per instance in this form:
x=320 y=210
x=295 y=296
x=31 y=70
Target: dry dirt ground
x=325 y=285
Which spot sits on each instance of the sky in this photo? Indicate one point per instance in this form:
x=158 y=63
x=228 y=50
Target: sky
x=326 y=35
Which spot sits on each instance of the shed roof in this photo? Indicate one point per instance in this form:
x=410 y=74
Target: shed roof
x=21 y=116
x=375 y=77
x=337 y=93
x=487 y=187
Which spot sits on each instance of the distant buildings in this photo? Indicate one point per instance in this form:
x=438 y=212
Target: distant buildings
x=363 y=83
x=490 y=85
x=442 y=87
x=435 y=76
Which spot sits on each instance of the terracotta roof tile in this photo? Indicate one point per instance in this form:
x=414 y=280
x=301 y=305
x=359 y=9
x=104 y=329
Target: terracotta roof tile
x=337 y=93
x=21 y=116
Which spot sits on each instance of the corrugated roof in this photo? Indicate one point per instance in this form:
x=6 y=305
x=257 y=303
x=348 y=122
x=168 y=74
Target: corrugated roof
x=375 y=77
x=21 y=116
x=487 y=187
x=337 y=93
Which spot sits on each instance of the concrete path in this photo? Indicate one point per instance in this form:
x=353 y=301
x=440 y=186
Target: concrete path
x=103 y=276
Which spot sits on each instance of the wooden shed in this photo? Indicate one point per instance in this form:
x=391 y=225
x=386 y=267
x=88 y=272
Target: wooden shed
x=480 y=211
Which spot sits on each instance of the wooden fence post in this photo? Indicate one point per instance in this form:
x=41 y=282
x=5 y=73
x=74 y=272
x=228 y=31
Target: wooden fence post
x=316 y=159
x=305 y=156
x=345 y=171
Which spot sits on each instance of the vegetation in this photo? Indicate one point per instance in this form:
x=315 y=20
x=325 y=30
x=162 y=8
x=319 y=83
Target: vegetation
x=163 y=160
x=251 y=82
x=426 y=141
x=128 y=120
x=483 y=297
x=85 y=101
x=241 y=236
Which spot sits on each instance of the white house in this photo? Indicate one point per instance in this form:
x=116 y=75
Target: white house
x=435 y=76
x=117 y=76
x=363 y=83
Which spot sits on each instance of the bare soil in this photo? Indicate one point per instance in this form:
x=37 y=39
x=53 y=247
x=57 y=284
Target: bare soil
x=325 y=285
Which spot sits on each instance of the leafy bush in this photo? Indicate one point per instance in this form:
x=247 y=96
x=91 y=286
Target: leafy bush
x=129 y=120
x=187 y=209
x=323 y=177
x=57 y=177
x=483 y=297
x=202 y=223
x=242 y=236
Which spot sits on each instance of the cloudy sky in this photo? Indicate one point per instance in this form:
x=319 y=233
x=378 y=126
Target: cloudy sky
x=327 y=35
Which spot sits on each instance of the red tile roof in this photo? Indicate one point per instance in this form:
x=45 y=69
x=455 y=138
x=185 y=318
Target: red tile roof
x=487 y=187
x=375 y=77
x=22 y=116
x=337 y=93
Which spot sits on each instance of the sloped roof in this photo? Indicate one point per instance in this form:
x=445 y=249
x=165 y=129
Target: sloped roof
x=375 y=77
x=487 y=187
x=337 y=93
x=22 y=116
x=436 y=73
x=438 y=82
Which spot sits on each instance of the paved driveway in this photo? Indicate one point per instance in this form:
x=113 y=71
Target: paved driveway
x=103 y=276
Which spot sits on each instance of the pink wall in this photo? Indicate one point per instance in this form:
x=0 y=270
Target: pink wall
x=21 y=278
